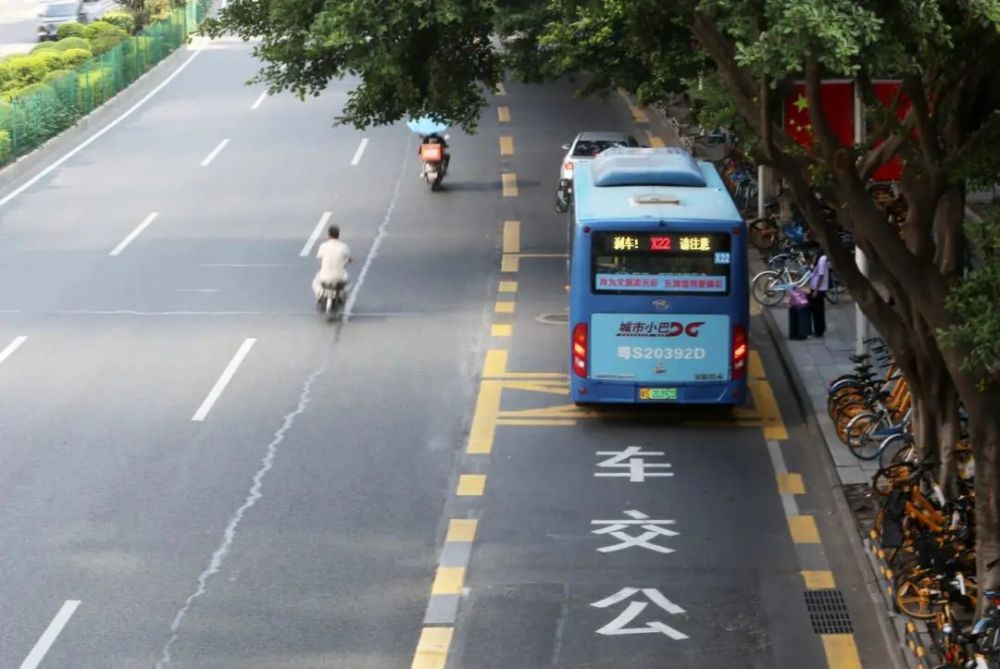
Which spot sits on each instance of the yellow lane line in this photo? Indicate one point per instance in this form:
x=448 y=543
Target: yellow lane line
x=766 y=405
x=638 y=114
x=540 y=422
x=791 y=484
x=512 y=237
x=553 y=388
x=484 y=421
x=504 y=307
x=448 y=581
x=841 y=651
x=510 y=263
x=503 y=114
x=818 y=580
x=501 y=330
x=432 y=648
x=507 y=287
x=509 y=180
x=803 y=529
x=471 y=485
x=506 y=145
x=495 y=363
x=756 y=367
x=655 y=141
x=462 y=530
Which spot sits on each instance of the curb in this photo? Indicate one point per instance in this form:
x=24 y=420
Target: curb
x=889 y=625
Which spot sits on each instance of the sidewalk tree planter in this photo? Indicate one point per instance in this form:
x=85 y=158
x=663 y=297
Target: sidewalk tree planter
x=436 y=59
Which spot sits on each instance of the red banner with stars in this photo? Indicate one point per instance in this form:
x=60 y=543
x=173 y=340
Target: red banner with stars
x=886 y=92
x=837 y=98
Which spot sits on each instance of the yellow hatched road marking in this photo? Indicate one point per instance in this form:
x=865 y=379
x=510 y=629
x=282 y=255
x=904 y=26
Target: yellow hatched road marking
x=766 y=405
x=791 y=484
x=506 y=145
x=509 y=180
x=841 y=651
x=510 y=263
x=471 y=485
x=501 y=330
x=818 y=580
x=495 y=363
x=551 y=387
x=462 y=530
x=512 y=236
x=503 y=308
x=448 y=581
x=432 y=648
x=538 y=422
x=803 y=529
x=507 y=287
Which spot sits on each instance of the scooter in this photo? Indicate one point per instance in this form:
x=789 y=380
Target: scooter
x=433 y=158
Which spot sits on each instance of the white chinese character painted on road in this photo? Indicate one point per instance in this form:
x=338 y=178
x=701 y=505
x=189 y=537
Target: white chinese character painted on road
x=632 y=459
x=653 y=529
x=618 y=626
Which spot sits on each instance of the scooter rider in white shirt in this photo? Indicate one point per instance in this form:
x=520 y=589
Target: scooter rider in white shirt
x=334 y=256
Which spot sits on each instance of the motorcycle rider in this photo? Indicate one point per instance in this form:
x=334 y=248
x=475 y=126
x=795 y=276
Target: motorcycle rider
x=334 y=256
x=435 y=138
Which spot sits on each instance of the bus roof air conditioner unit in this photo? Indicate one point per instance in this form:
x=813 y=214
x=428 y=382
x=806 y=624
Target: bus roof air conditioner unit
x=621 y=166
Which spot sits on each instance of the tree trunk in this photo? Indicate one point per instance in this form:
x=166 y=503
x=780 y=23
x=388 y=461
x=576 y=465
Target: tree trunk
x=984 y=419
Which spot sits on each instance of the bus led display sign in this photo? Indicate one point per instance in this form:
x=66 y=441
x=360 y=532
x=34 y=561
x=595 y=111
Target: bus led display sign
x=664 y=243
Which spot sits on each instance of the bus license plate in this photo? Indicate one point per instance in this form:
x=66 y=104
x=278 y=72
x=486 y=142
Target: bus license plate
x=657 y=393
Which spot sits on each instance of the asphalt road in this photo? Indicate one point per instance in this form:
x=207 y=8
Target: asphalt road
x=200 y=472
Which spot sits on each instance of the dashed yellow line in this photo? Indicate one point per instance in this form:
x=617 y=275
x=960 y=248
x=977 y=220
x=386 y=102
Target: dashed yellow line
x=510 y=263
x=638 y=114
x=462 y=530
x=818 y=580
x=509 y=180
x=501 y=330
x=503 y=114
x=504 y=307
x=841 y=651
x=495 y=363
x=471 y=485
x=803 y=529
x=512 y=236
x=506 y=145
x=432 y=648
x=791 y=484
x=507 y=287
x=448 y=581
x=655 y=141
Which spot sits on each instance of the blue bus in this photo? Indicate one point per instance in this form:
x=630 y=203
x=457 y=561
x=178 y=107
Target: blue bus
x=658 y=300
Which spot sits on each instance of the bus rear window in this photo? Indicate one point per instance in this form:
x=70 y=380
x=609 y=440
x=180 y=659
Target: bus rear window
x=655 y=262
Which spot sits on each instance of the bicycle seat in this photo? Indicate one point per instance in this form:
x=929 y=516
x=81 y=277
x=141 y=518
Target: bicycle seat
x=859 y=358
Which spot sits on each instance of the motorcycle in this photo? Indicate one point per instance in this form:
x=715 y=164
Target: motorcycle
x=332 y=301
x=433 y=158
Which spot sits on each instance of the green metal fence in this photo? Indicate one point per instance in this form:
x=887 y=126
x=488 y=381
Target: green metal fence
x=43 y=110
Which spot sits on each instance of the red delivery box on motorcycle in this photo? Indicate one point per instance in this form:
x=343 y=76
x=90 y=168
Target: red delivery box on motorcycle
x=431 y=153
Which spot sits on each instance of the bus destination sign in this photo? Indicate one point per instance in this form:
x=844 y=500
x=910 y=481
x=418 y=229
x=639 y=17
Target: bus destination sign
x=665 y=243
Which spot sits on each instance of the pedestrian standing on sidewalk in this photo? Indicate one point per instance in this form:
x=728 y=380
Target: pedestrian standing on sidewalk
x=819 y=283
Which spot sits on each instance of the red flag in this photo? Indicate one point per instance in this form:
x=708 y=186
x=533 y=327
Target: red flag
x=886 y=91
x=837 y=98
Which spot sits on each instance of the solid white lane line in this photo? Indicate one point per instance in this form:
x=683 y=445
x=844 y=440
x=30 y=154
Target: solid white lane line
x=317 y=231
x=135 y=233
x=361 y=149
x=224 y=380
x=90 y=140
x=50 y=635
x=11 y=347
x=245 y=264
x=196 y=290
x=259 y=101
x=216 y=151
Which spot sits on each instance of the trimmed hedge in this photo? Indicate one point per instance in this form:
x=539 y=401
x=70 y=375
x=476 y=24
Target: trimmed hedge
x=75 y=57
x=70 y=43
x=6 y=146
x=122 y=19
x=104 y=36
x=71 y=29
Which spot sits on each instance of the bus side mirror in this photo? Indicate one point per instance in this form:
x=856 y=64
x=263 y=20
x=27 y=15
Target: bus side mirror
x=562 y=201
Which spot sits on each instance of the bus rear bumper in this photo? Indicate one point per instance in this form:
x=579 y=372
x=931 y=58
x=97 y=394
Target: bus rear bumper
x=588 y=391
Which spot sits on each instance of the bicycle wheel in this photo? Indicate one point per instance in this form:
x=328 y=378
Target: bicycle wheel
x=845 y=414
x=861 y=438
x=767 y=289
x=895 y=449
x=914 y=598
x=837 y=402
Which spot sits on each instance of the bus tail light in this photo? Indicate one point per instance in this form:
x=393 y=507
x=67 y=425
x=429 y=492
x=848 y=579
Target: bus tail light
x=741 y=351
x=580 y=350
